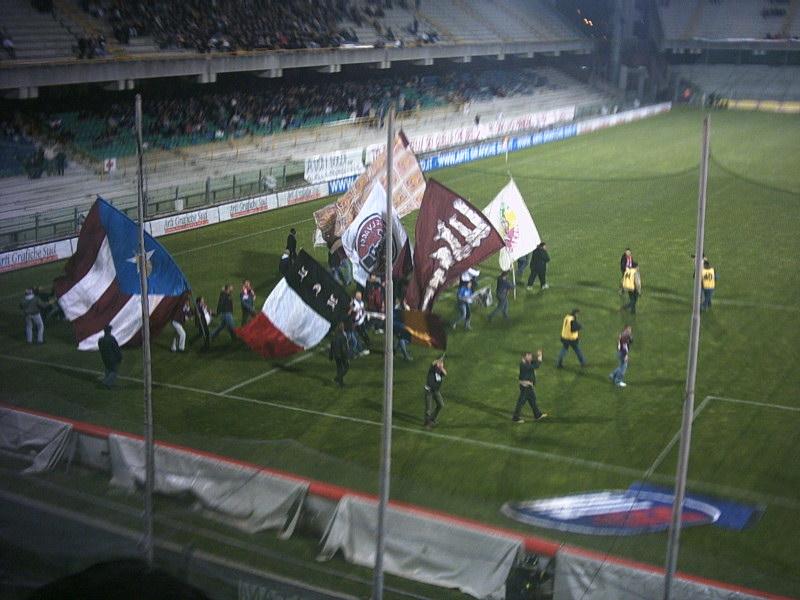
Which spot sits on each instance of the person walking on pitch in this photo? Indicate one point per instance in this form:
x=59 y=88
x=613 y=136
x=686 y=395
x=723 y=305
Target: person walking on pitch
x=465 y=298
x=433 y=385
x=539 y=260
x=504 y=286
x=709 y=284
x=340 y=352
x=623 y=349
x=632 y=283
x=527 y=392
x=111 y=356
x=570 y=338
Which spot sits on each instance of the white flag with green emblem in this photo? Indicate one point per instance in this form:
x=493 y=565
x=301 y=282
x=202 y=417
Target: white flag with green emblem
x=513 y=221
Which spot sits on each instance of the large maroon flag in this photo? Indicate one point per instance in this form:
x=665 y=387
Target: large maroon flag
x=451 y=236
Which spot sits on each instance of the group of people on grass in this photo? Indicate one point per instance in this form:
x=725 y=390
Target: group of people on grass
x=351 y=339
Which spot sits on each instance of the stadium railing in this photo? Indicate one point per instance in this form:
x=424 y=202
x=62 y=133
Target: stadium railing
x=55 y=224
x=57 y=445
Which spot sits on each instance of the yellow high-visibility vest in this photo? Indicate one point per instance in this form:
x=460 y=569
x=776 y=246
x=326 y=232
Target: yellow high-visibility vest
x=629 y=280
x=566 y=329
x=709 y=279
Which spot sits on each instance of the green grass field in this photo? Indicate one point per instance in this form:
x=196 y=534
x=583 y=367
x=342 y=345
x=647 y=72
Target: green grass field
x=591 y=196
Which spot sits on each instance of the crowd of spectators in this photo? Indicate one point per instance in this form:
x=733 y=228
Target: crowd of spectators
x=270 y=107
x=20 y=152
x=211 y=25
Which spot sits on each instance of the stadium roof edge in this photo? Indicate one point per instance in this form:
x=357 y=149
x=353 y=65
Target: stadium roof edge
x=68 y=71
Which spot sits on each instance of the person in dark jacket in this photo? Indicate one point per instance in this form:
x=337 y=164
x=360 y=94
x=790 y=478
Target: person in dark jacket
x=504 y=286
x=202 y=317
x=433 y=386
x=539 y=260
x=111 y=355
x=570 y=337
x=340 y=352
x=527 y=381
x=626 y=262
x=32 y=307
x=225 y=312
x=291 y=244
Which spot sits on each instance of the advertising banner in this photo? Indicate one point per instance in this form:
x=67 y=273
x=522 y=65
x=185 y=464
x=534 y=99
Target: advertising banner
x=324 y=167
x=35 y=255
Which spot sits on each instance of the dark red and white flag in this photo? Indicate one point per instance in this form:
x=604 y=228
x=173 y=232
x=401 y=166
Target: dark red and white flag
x=299 y=312
x=451 y=236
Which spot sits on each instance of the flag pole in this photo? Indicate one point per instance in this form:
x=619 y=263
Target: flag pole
x=388 y=369
x=147 y=542
x=691 y=374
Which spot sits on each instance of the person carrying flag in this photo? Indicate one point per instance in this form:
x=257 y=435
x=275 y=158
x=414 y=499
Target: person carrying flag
x=465 y=297
x=433 y=385
x=202 y=317
x=182 y=313
x=111 y=356
x=340 y=352
x=291 y=244
x=247 y=298
x=570 y=337
x=527 y=381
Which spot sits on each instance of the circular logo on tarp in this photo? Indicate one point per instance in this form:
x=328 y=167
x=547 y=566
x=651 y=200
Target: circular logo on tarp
x=369 y=243
x=612 y=512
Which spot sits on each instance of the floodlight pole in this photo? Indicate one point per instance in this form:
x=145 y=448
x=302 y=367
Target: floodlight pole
x=388 y=368
x=149 y=462
x=691 y=374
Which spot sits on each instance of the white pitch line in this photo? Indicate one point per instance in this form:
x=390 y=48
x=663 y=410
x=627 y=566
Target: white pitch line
x=240 y=237
x=671 y=444
x=294 y=361
x=611 y=468
x=753 y=403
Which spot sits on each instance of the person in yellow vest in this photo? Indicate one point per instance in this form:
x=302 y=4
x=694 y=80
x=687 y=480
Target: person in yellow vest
x=709 y=283
x=632 y=283
x=570 y=337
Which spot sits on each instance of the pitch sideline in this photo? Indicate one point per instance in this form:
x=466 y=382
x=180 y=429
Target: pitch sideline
x=601 y=466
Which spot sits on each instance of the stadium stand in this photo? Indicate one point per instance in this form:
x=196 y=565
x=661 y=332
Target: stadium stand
x=744 y=81
x=241 y=161
x=188 y=118
x=728 y=20
x=36 y=34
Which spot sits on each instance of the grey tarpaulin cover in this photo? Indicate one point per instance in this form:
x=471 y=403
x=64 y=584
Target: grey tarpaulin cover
x=424 y=548
x=243 y=496
x=579 y=577
x=21 y=432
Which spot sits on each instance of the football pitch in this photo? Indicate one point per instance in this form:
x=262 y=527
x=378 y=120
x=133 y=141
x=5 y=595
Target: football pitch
x=591 y=196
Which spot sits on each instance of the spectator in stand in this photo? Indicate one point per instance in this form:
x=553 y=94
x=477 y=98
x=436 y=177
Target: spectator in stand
x=8 y=45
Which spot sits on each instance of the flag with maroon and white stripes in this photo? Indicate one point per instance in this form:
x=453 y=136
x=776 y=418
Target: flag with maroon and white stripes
x=299 y=312
x=101 y=284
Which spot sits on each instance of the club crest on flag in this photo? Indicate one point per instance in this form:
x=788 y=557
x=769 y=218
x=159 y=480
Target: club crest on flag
x=512 y=219
x=370 y=234
x=509 y=226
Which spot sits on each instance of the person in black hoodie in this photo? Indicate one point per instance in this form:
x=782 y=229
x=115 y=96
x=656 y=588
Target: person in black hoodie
x=539 y=260
x=340 y=352
x=111 y=356
x=527 y=381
